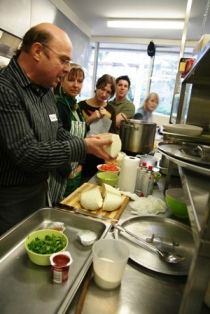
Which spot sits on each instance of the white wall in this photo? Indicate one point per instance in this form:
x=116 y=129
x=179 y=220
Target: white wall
x=160 y=119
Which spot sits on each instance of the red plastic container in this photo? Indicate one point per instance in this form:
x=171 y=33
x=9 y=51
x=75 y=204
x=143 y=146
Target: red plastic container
x=60 y=266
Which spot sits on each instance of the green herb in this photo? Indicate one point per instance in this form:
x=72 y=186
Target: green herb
x=48 y=245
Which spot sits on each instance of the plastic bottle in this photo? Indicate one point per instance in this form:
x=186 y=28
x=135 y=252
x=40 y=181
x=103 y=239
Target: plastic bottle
x=141 y=171
x=147 y=185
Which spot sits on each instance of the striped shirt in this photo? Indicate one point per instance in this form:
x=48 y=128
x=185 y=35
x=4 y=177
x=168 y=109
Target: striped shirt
x=32 y=140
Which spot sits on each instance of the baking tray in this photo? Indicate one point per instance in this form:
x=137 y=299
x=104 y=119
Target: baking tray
x=28 y=288
x=164 y=233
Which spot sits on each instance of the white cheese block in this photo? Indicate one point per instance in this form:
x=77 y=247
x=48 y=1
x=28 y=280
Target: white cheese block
x=106 y=188
x=112 y=202
x=91 y=199
x=113 y=149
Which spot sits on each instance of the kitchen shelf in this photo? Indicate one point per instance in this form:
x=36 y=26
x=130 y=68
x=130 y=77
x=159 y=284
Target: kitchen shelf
x=197 y=192
x=197 y=189
x=200 y=70
x=193 y=107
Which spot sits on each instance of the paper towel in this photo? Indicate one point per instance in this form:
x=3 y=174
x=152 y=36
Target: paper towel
x=128 y=173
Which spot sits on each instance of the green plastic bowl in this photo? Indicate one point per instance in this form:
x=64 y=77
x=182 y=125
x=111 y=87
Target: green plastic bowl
x=108 y=178
x=175 y=201
x=157 y=176
x=42 y=259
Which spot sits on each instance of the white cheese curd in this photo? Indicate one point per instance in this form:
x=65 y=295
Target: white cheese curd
x=112 y=202
x=91 y=199
x=148 y=206
x=106 y=188
x=113 y=149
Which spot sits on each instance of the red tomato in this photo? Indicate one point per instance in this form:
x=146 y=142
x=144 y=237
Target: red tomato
x=109 y=167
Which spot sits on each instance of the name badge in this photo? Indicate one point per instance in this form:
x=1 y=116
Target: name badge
x=53 y=117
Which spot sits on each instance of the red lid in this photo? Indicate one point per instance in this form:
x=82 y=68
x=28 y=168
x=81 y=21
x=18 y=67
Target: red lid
x=144 y=164
x=150 y=167
x=61 y=260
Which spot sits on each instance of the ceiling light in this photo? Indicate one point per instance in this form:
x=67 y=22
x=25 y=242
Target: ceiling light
x=146 y=23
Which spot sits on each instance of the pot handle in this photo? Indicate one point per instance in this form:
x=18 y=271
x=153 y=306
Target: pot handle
x=128 y=126
x=135 y=128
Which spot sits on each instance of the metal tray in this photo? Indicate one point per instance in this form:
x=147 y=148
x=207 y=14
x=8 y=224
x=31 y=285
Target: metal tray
x=187 y=152
x=164 y=233
x=202 y=139
x=28 y=288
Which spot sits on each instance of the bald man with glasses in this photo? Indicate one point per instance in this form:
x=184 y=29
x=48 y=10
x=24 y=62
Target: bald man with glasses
x=32 y=139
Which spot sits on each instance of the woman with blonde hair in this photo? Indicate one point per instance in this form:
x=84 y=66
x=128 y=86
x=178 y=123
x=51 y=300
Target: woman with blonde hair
x=65 y=180
x=145 y=111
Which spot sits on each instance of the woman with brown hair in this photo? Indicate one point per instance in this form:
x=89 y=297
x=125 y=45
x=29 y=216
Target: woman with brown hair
x=98 y=112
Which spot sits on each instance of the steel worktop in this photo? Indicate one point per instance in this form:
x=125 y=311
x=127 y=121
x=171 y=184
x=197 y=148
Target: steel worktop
x=142 y=291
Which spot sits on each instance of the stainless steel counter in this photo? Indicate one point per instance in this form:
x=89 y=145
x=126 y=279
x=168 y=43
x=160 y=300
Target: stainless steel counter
x=142 y=291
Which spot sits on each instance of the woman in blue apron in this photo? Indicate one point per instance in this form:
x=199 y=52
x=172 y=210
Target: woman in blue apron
x=65 y=180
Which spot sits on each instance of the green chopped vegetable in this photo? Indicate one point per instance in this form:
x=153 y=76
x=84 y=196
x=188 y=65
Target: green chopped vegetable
x=48 y=245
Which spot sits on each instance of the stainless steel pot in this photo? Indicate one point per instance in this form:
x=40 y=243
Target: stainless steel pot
x=137 y=136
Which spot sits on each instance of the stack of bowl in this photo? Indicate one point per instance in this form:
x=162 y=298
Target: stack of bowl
x=175 y=201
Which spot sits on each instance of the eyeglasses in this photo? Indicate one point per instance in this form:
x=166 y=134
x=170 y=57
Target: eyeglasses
x=63 y=60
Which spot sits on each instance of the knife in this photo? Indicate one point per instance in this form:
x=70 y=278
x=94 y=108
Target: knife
x=82 y=212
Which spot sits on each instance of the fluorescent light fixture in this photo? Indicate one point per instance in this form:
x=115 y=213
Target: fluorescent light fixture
x=146 y=23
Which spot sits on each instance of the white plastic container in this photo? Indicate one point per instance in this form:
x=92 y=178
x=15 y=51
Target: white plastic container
x=109 y=260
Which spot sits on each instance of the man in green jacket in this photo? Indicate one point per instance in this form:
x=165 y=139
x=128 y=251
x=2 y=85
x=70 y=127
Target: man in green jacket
x=124 y=108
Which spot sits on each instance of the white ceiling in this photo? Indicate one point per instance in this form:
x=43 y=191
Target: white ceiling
x=92 y=15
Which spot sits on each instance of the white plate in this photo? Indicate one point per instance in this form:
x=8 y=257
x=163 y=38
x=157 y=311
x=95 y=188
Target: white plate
x=99 y=166
x=186 y=129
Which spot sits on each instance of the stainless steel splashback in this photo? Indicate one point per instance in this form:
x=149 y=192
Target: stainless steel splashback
x=8 y=43
x=18 y=16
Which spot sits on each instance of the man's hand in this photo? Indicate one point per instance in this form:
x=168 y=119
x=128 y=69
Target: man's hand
x=120 y=117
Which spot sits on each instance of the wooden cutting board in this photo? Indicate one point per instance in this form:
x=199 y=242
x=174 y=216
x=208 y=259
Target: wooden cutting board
x=74 y=200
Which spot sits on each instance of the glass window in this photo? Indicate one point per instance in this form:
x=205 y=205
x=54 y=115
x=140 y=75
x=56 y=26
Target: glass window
x=146 y=74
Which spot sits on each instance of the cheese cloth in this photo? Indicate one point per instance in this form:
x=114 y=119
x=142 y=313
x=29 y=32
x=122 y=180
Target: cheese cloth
x=143 y=206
